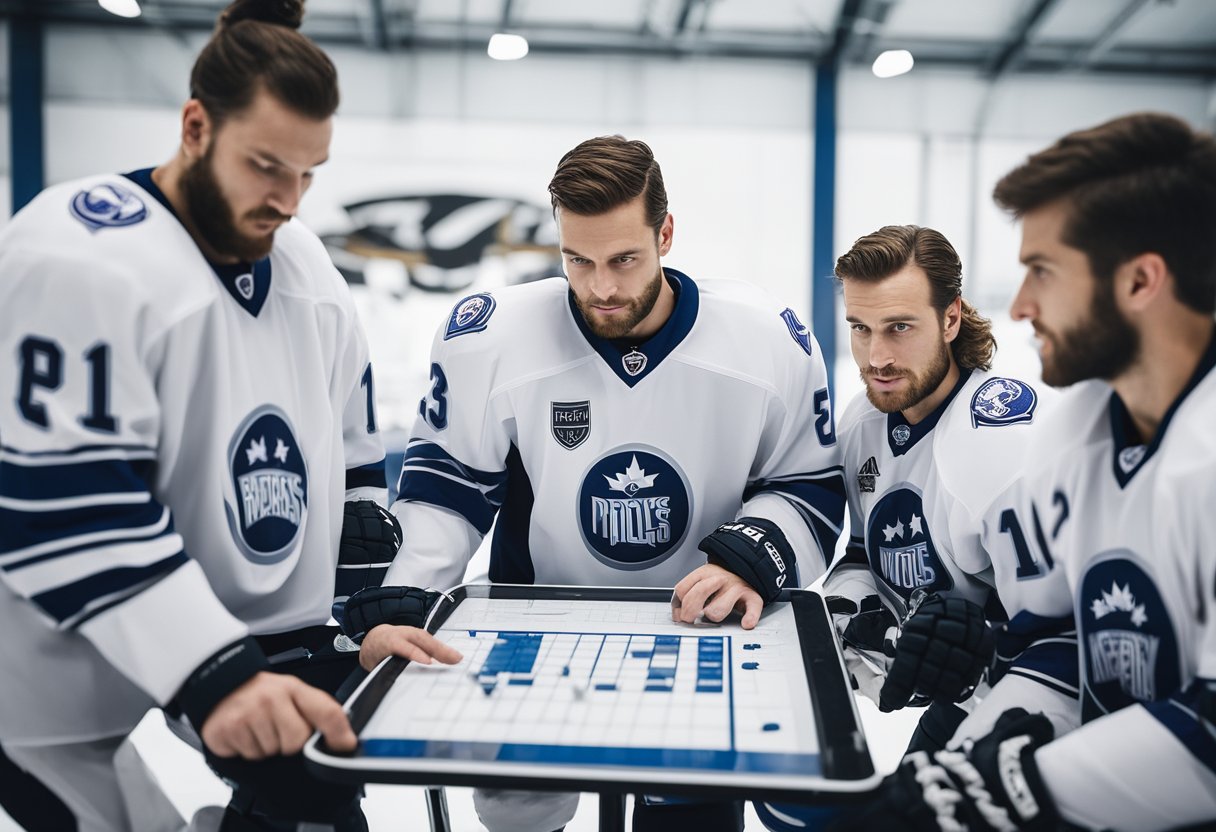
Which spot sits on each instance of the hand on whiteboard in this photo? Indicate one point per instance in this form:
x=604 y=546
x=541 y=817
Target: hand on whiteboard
x=408 y=643
x=714 y=592
x=275 y=714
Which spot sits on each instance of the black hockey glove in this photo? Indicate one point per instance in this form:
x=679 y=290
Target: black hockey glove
x=995 y=785
x=755 y=550
x=943 y=649
x=401 y=605
x=370 y=539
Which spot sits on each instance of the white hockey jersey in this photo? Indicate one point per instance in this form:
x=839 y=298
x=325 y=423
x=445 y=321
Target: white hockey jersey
x=174 y=452
x=606 y=465
x=917 y=501
x=1130 y=527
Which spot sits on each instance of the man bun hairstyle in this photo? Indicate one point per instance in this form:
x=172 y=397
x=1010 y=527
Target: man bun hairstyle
x=1141 y=183
x=257 y=44
x=607 y=172
x=879 y=255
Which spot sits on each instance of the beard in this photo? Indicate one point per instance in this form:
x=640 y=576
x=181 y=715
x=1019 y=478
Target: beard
x=1102 y=346
x=918 y=387
x=634 y=313
x=212 y=217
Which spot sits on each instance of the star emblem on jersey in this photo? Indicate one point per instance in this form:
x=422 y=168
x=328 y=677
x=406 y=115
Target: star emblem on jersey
x=256 y=452
x=913 y=528
x=634 y=362
x=632 y=480
x=268 y=503
x=1119 y=598
x=866 y=475
x=901 y=434
x=899 y=544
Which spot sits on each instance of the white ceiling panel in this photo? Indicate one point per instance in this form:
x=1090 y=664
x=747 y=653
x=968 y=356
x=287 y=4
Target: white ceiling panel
x=983 y=20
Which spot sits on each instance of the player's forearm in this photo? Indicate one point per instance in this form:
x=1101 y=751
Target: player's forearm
x=1127 y=771
x=812 y=560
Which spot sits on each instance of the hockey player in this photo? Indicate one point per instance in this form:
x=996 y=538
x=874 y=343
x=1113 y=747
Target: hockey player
x=188 y=403
x=614 y=421
x=935 y=436
x=1120 y=288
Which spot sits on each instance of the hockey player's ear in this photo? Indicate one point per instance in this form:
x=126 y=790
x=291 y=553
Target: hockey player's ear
x=196 y=129
x=952 y=319
x=666 y=231
x=1140 y=281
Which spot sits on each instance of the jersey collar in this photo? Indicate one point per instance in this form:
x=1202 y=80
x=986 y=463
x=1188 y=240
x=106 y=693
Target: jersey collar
x=901 y=437
x=637 y=361
x=248 y=283
x=1130 y=452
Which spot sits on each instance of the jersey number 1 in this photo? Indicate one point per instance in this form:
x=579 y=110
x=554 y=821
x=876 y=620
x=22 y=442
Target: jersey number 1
x=42 y=368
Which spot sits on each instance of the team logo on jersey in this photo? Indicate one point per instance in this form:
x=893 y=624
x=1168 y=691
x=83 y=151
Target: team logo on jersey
x=866 y=475
x=270 y=482
x=634 y=507
x=1003 y=401
x=570 y=422
x=801 y=334
x=901 y=434
x=900 y=547
x=470 y=315
x=633 y=362
x=245 y=285
x=108 y=206
x=1127 y=640
x=1129 y=458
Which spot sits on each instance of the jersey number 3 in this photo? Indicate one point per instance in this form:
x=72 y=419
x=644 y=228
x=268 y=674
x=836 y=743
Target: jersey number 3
x=436 y=416
x=42 y=369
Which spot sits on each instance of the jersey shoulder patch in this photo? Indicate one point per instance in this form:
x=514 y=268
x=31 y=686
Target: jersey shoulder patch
x=472 y=314
x=798 y=330
x=108 y=205
x=1003 y=401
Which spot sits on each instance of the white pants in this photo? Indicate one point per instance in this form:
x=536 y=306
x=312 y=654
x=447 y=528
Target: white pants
x=104 y=783
x=503 y=810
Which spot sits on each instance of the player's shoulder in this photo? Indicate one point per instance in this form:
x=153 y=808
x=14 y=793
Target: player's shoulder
x=481 y=320
x=302 y=266
x=858 y=414
x=89 y=214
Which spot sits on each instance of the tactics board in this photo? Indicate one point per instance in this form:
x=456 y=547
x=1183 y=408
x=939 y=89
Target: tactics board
x=587 y=685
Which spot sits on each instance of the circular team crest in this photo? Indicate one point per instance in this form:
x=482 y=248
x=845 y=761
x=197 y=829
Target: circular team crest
x=634 y=507
x=108 y=205
x=1003 y=401
x=471 y=314
x=270 y=482
x=900 y=547
x=1128 y=647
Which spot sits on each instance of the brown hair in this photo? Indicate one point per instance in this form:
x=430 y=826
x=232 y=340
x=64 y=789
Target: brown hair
x=877 y=256
x=1141 y=183
x=256 y=44
x=605 y=173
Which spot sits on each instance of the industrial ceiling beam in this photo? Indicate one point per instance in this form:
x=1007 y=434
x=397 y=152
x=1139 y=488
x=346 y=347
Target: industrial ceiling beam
x=1106 y=39
x=1013 y=49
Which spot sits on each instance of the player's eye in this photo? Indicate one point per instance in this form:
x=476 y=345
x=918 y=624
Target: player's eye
x=900 y=327
x=860 y=329
x=625 y=260
x=578 y=261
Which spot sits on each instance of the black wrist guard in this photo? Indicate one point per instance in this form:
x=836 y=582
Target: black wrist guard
x=755 y=550
x=218 y=676
x=399 y=605
x=370 y=539
x=943 y=649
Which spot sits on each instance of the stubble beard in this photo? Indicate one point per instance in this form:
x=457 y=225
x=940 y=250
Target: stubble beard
x=1102 y=346
x=919 y=386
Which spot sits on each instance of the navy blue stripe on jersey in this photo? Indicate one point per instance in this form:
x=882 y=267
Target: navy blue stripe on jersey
x=74 y=479
x=24 y=533
x=925 y=426
x=1180 y=714
x=510 y=553
x=74 y=603
x=1053 y=662
x=819 y=498
x=658 y=346
x=163 y=526
x=429 y=474
x=367 y=476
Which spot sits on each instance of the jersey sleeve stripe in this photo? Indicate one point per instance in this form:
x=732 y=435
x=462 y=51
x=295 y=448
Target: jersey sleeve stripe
x=367 y=476
x=820 y=502
x=45 y=574
x=1046 y=681
x=1179 y=715
x=80 y=453
x=449 y=493
x=20 y=480
x=75 y=603
x=24 y=535
x=81 y=501
x=420 y=450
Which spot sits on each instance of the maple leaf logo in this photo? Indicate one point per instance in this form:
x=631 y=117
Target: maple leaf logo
x=633 y=479
x=1119 y=599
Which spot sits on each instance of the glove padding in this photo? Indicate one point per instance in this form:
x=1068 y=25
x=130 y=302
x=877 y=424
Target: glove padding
x=754 y=549
x=370 y=534
x=992 y=786
x=867 y=631
x=943 y=649
x=399 y=605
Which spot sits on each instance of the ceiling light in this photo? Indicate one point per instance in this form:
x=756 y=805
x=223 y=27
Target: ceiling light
x=892 y=62
x=503 y=47
x=122 y=8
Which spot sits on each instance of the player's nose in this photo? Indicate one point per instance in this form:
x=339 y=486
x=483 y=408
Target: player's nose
x=1023 y=307
x=603 y=284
